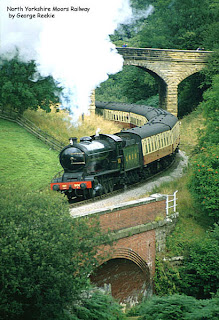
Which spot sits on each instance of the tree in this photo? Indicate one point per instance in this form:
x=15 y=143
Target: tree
x=180 y=24
x=199 y=272
x=46 y=255
x=190 y=94
x=203 y=183
x=130 y=85
x=21 y=87
x=136 y=84
x=210 y=107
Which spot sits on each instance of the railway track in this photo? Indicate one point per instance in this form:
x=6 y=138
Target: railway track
x=77 y=202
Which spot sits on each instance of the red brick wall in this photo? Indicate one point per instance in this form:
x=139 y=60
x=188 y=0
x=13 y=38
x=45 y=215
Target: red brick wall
x=132 y=216
x=144 y=244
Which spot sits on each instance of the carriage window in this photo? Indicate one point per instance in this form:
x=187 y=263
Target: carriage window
x=146 y=151
x=149 y=145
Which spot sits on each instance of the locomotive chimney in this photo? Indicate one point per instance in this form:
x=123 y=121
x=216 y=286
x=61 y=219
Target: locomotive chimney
x=72 y=140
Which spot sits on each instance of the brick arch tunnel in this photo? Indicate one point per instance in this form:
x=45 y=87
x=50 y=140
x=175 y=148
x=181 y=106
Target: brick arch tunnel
x=127 y=274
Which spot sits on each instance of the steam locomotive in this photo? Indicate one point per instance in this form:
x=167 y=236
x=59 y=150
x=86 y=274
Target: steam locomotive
x=97 y=164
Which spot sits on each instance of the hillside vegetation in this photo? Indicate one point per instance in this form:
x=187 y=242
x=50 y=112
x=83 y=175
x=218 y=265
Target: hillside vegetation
x=25 y=161
x=61 y=126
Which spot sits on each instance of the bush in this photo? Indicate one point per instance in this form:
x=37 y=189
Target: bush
x=97 y=306
x=46 y=255
x=204 y=181
x=179 y=307
x=166 y=278
x=210 y=107
x=199 y=272
x=167 y=308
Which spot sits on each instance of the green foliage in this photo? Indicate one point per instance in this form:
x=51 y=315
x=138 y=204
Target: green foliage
x=210 y=107
x=182 y=25
x=152 y=101
x=19 y=89
x=199 y=272
x=211 y=32
x=190 y=94
x=166 y=278
x=212 y=68
x=204 y=179
x=110 y=90
x=179 y=307
x=130 y=85
x=203 y=183
x=95 y=307
x=46 y=255
x=207 y=310
x=136 y=84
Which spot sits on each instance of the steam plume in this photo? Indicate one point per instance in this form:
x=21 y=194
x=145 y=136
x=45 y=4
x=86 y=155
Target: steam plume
x=73 y=47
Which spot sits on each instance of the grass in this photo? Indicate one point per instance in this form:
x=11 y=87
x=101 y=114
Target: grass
x=61 y=126
x=190 y=125
x=25 y=160
x=188 y=227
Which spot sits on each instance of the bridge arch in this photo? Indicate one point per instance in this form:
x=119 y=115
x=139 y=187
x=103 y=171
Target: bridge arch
x=162 y=82
x=127 y=275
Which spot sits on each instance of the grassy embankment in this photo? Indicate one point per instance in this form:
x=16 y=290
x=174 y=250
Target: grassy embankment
x=25 y=161
x=60 y=126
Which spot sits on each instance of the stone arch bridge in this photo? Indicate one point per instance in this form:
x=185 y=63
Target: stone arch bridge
x=168 y=66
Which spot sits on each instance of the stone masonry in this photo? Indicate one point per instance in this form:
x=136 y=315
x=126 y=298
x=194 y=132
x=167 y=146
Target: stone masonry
x=168 y=66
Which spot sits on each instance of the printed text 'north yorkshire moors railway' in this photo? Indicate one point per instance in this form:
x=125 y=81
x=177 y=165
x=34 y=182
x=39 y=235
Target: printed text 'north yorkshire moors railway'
x=41 y=12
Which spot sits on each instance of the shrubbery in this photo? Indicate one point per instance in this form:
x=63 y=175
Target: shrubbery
x=179 y=307
x=204 y=180
x=46 y=255
x=166 y=278
x=97 y=307
x=204 y=184
x=199 y=273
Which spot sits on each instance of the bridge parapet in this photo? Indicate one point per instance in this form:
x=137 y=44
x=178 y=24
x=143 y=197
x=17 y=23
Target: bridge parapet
x=175 y=55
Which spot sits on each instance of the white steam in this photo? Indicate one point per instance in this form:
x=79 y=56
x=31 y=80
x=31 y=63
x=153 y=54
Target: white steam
x=74 y=46
x=140 y=14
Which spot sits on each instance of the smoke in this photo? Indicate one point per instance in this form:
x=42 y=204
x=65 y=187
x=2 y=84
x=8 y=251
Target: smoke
x=140 y=14
x=73 y=46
